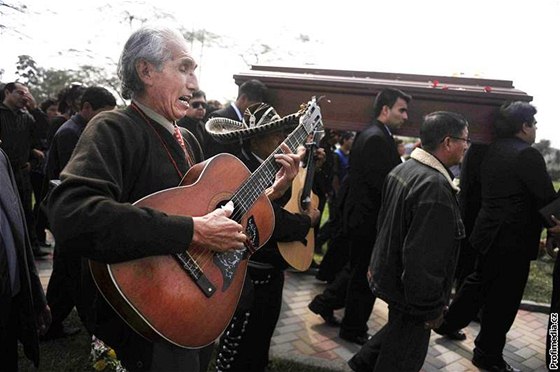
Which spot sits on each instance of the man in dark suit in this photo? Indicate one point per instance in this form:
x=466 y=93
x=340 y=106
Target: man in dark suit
x=506 y=234
x=63 y=291
x=250 y=92
x=374 y=154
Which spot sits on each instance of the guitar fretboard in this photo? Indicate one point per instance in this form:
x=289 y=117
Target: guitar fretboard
x=264 y=176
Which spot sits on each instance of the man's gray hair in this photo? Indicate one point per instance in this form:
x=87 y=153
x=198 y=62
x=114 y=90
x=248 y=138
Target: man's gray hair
x=147 y=43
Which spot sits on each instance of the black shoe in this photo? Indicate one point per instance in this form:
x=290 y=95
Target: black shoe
x=59 y=332
x=502 y=366
x=356 y=339
x=327 y=315
x=38 y=253
x=452 y=335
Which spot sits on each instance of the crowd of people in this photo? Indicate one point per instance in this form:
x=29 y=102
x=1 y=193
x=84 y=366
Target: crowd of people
x=399 y=228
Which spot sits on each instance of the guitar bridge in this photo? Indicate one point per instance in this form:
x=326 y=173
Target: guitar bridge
x=196 y=274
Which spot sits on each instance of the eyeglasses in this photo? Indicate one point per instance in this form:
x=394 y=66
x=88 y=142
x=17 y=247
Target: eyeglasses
x=467 y=140
x=197 y=105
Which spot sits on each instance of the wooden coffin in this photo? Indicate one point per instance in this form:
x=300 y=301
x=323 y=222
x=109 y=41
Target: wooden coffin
x=349 y=96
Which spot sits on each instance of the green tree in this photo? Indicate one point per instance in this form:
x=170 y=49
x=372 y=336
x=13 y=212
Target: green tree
x=45 y=83
x=27 y=70
x=551 y=157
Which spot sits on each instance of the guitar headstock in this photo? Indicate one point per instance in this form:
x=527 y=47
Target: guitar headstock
x=310 y=117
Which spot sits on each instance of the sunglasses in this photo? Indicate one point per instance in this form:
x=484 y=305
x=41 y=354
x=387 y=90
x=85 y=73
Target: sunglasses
x=197 y=105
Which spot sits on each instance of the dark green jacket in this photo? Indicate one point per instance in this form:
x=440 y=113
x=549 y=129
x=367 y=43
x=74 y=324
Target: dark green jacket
x=419 y=233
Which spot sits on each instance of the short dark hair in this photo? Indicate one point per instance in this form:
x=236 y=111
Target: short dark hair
x=345 y=136
x=255 y=90
x=48 y=103
x=438 y=125
x=68 y=95
x=199 y=93
x=98 y=97
x=11 y=86
x=511 y=117
x=388 y=97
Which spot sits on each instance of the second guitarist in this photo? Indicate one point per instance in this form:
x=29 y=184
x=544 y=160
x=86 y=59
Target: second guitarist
x=245 y=344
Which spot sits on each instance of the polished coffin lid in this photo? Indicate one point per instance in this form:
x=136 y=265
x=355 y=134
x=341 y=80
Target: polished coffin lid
x=349 y=96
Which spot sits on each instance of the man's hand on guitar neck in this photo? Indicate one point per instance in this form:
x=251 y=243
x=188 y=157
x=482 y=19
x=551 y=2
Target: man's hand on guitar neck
x=290 y=167
x=314 y=215
x=217 y=232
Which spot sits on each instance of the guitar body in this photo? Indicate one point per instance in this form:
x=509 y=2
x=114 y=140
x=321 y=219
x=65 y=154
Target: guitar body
x=297 y=253
x=156 y=295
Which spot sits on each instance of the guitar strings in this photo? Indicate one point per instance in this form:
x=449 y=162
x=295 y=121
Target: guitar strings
x=249 y=192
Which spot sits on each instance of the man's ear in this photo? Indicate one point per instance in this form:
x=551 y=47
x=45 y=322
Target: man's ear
x=385 y=111
x=145 y=71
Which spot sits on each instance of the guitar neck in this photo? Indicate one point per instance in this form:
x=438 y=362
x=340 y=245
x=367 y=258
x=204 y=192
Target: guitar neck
x=305 y=198
x=264 y=176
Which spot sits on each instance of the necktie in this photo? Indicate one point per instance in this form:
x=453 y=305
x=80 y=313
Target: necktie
x=179 y=138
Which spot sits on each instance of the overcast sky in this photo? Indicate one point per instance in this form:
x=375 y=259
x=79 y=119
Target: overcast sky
x=497 y=39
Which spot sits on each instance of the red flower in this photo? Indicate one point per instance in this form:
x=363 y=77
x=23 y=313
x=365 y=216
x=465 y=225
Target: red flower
x=435 y=83
x=488 y=89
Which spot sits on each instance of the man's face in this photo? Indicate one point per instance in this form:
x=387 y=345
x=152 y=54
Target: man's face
x=531 y=132
x=459 y=147
x=52 y=111
x=18 y=98
x=197 y=109
x=173 y=86
x=397 y=115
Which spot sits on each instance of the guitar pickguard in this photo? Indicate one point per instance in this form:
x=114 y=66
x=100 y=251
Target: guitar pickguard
x=228 y=262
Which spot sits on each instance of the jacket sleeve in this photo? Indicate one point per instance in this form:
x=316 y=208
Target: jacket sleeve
x=64 y=143
x=289 y=227
x=427 y=257
x=89 y=210
x=532 y=171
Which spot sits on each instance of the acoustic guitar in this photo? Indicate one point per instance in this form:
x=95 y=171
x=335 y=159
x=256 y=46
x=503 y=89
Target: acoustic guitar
x=299 y=254
x=189 y=298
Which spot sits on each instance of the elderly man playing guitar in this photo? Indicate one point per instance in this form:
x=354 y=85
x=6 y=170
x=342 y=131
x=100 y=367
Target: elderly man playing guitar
x=150 y=242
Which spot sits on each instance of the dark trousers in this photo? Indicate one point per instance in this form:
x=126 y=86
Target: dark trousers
x=245 y=344
x=496 y=287
x=401 y=345
x=465 y=264
x=25 y=190
x=552 y=339
x=171 y=358
x=321 y=234
x=359 y=298
x=334 y=296
x=64 y=288
x=337 y=255
x=8 y=338
x=38 y=184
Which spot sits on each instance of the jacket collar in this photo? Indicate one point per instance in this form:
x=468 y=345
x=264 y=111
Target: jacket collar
x=431 y=161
